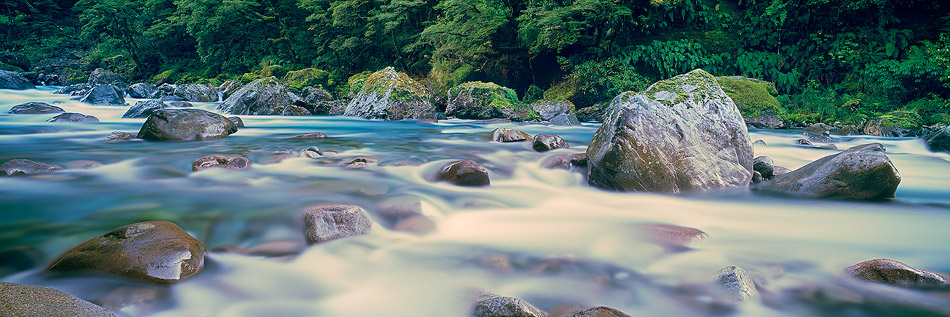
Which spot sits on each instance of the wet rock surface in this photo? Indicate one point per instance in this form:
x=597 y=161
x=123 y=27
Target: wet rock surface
x=185 y=125
x=154 y=251
x=35 y=108
x=16 y=167
x=765 y=166
x=896 y=273
x=31 y=300
x=508 y=135
x=74 y=117
x=736 y=282
x=490 y=305
x=265 y=96
x=103 y=95
x=861 y=172
x=547 y=142
x=142 y=91
x=143 y=109
x=119 y=136
x=14 y=80
x=101 y=77
x=464 y=173
x=329 y=222
x=221 y=161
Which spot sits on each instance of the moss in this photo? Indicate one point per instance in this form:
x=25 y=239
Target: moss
x=533 y=93
x=491 y=94
x=753 y=97
x=697 y=77
x=563 y=90
x=166 y=76
x=904 y=119
x=355 y=83
x=4 y=66
x=399 y=85
x=308 y=77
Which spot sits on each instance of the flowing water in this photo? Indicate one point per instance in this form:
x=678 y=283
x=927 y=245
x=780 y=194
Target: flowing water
x=538 y=234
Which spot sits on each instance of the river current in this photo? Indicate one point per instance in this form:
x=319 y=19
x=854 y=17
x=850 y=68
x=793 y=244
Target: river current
x=559 y=241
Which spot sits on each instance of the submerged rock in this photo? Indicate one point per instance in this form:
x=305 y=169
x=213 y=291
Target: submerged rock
x=680 y=134
x=547 y=142
x=31 y=300
x=311 y=135
x=154 y=251
x=509 y=135
x=328 y=222
x=185 y=125
x=491 y=305
x=103 y=95
x=464 y=173
x=221 y=161
x=14 y=80
x=861 y=172
x=671 y=237
x=896 y=273
x=735 y=281
x=765 y=166
x=143 y=109
x=118 y=136
x=265 y=96
x=390 y=95
x=478 y=100
x=16 y=167
x=417 y=224
x=74 y=117
x=35 y=108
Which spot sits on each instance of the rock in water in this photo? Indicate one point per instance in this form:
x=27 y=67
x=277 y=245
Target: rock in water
x=680 y=134
x=737 y=282
x=601 y=311
x=35 y=108
x=509 y=135
x=196 y=92
x=142 y=90
x=26 y=167
x=265 y=96
x=550 y=109
x=155 y=251
x=896 y=273
x=938 y=139
x=565 y=119
x=547 y=142
x=765 y=166
x=221 y=161
x=73 y=117
x=237 y=121
x=328 y=222
x=390 y=95
x=103 y=95
x=490 y=305
x=861 y=172
x=101 y=77
x=118 y=136
x=464 y=173
x=31 y=300
x=14 y=80
x=143 y=109
x=185 y=125
x=478 y=100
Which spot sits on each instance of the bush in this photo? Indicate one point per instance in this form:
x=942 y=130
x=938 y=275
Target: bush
x=753 y=97
x=933 y=110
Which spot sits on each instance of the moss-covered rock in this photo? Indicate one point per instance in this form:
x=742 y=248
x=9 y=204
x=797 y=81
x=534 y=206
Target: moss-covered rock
x=391 y=95
x=354 y=84
x=308 y=77
x=478 y=100
x=265 y=96
x=753 y=97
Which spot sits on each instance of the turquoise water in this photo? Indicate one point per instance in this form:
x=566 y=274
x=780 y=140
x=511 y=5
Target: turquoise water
x=529 y=214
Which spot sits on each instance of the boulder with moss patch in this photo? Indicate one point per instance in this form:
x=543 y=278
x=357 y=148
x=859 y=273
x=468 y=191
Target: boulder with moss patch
x=265 y=96
x=755 y=99
x=390 y=95
x=297 y=80
x=478 y=100
x=680 y=134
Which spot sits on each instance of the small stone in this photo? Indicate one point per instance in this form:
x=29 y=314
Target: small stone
x=221 y=161
x=547 y=142
x=312 y=135
x=74 y=117
x=759 y=143
x=35 y=108
x=509 y=135
x=803 y=142
x=356 y=165
x=236 y=120
x=312 y=152
x=30 y=300
x=328 y=222
x=490 y=305
x=765 y=166
x=671 y=237
x=601 y=311
x=464 y=173
x=82 y=164
x=737 y=282
x=757 y=177
x=16 y=167
x=118 y=136
x=896 y=273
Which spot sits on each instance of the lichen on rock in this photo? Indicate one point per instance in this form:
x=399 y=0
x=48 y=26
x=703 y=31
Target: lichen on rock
x=391 y=95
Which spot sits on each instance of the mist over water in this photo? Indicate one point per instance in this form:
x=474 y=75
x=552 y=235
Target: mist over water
x=565 y=242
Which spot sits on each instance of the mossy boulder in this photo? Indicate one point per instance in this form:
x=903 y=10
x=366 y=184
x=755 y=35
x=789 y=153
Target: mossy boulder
x=297 y=80
x=680 y=134
x=391 y=95
x=354 y=84
x=265 y=96
x=755 y=99
x=478 y=100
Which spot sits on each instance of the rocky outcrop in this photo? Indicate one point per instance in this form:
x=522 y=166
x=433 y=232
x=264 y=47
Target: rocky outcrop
x=31 y=300
x=142 y=90
x=896 y=273
x=509 y=135
x=463 y=173
x=861 y=172
x=154 y=251
x=143 y=109
x=16 y=167
x=221 y=161
x=14 y=80
x=74 y=117
x=547 y=142
x=680 y=134
x=265 y=96
x=185 y=125
x=491 y=305
x=478 y=100
x=103 y=95
x=35 y=108
x=329 y=222
x=102 y=77
x=390 y=95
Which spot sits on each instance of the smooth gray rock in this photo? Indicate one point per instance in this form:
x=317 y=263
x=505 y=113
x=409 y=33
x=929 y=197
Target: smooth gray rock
x=35 y=108
x=547 y=142
x=118 y=136
x=549 y=109
x=31 y=300
x=390 y=95
x=509 y=135
x=765 y=166
x=491 y=305
x=896 y=273
x=101 y=77
x=328 y=222
x=74 y=117
x=565 y=119
x=221 y=161
x=735 y=281
x=103 y=95
x=142 y=90
x=861 y=172
x=464 y=173
x=680 y=134
x=185 y=125
x=14 y=80
x=16 y=167
x=143 y=109
x=265 y=96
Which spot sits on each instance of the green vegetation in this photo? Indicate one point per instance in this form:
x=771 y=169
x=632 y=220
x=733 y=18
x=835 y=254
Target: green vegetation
x=489 y=94
x=847 y=61
x=753 y=97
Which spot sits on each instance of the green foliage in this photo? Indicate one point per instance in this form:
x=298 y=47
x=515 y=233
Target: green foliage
x=491 y=94
x=355 y=83
x=753 y=97
x=595 y=81
x=299 y=79
x=904 y=119
x=933 y=110
x=533 y=93
x=670 y=58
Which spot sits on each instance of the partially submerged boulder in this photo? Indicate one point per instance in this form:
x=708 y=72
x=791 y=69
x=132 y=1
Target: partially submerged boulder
x=478 y=100
x=328 y=222
x=547 y=110
x=73 y=117
x=509 y=135
x=185 y=125
x=144 y=108
x=861 y=172
x=14 y=80
x=896 y=273
x=221 y=161
x=154 y=251
x=16 y=167
x=196 y=92
x=142 y=90
x=390 y=95
x=547 y=142
x=118 y=136
x=938 y=139
x=321 y=102
x=680 y=134
x=35 y=108
x=103 y=95
x=464 y=173
x=265 y=96
x=491 y=305
x=31 y=300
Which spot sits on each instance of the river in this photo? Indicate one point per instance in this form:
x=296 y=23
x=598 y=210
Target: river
x=564 y=242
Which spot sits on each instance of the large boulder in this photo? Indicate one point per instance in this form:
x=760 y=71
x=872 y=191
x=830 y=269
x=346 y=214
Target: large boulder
x=31 y=300
x=328 y=222
x=680 y=134
x=478 y=100
x=861 y=172
x=321 y=102
x=101 y=77
x=196 y=92
x=104 y=95
x=155 y=251
x=16 y=167
x=142 y=90
x=265 y=96
x=896 y=273
x=938 y=139
x=73 y=117
x=14 y=80
x=144 y=108
x=550 y=109
x=185 y=125
x=35 y=108
x=390 y=95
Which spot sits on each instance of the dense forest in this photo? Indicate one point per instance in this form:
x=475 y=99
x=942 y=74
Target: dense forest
x=829 y=60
